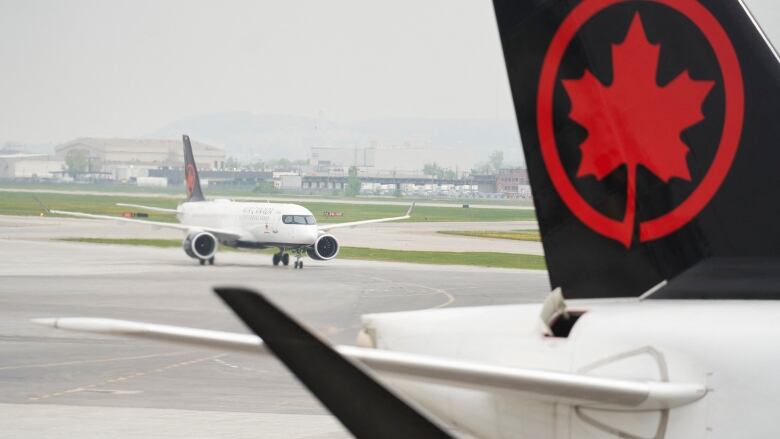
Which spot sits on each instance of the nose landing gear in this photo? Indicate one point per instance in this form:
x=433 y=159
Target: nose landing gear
x=298 y=261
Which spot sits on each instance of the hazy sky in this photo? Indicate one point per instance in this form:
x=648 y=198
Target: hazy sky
x=126 y=68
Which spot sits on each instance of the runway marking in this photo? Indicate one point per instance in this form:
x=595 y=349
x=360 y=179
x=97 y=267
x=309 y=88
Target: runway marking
x=90 y=387
x=246 y=369
x=447 y=294
x=100 y=360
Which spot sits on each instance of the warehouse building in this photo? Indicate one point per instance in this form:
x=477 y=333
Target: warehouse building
x=19 y=166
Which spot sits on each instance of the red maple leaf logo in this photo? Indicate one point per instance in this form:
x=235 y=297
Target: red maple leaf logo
x=634 y=121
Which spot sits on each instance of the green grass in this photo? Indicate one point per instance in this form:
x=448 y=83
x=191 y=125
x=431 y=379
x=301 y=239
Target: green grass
x=517 y=235
x=21 y=203
x=355 y=212
x=481 y=259
x=239 y=191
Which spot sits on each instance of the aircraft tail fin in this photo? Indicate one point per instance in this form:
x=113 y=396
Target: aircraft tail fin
x=191 y=179
x=649 y=132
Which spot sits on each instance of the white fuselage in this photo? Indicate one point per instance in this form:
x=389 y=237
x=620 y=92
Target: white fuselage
x=725 y=345
x=274 y=224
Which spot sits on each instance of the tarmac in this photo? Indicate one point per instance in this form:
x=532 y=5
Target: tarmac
x=394 y=236
x=56 y=384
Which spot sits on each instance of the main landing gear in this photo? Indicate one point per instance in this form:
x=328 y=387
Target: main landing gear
x=284 y=258
x=281 y=257
x=209 y=260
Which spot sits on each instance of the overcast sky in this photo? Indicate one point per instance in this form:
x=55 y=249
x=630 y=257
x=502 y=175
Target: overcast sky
x=126 y=68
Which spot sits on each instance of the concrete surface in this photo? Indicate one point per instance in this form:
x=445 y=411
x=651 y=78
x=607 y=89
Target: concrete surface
x=57 y=384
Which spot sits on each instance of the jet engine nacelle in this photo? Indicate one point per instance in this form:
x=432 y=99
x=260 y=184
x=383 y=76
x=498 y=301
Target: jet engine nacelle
x=325 y=247
x=200 y=245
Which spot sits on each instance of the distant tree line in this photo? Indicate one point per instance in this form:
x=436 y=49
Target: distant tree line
x=494 y=163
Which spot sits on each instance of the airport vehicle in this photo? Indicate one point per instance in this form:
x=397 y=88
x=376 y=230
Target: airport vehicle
x=207 y=224
x=649 y=129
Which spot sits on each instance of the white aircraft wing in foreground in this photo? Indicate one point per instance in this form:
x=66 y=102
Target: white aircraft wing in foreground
x=308 y=357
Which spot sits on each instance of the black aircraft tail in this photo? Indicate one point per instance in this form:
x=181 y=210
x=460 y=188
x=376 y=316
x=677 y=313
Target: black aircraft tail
x=650 y=134
x=191 y=179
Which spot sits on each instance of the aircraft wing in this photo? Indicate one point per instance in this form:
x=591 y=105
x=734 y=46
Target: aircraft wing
x=149 y=208
x=371 y=221
x=222 y=234
x=256 y=311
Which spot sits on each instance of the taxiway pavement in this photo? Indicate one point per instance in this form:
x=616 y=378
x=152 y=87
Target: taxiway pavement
x=56 y=384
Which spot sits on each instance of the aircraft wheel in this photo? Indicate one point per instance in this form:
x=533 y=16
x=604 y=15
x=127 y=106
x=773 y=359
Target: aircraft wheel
x=202 y=261
x=286 y=259
x=211 y=260
x=276 y=259
x=300 y=265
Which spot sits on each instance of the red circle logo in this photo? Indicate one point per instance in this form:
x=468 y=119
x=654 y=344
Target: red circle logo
x=684 y=212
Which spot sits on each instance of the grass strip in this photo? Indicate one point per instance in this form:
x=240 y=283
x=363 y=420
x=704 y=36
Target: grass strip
x=21 y=203
x=517 y=235
x=480 y=259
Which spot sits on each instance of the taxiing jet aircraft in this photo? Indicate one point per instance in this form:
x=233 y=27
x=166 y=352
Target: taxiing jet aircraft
x=650 y=131
x=288 y=227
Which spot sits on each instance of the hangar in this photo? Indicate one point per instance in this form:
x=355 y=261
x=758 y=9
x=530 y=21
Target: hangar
x=144 y=153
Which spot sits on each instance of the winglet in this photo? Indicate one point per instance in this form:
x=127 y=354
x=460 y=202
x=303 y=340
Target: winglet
x=411 y=208
x=43 y=206
x=365 y=407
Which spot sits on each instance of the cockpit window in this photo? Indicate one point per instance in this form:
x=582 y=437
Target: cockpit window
x=298 y=219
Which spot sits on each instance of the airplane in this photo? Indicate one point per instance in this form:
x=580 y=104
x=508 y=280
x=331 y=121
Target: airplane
x=207 y=224
x=649 y=132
